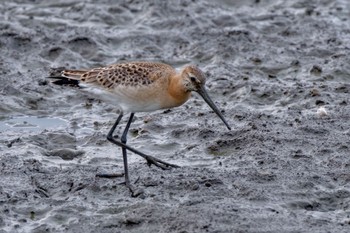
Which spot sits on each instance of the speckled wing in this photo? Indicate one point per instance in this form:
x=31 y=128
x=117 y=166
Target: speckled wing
x=117 y=75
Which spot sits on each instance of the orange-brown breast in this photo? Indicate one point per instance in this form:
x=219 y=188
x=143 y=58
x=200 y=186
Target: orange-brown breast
x=176 y=94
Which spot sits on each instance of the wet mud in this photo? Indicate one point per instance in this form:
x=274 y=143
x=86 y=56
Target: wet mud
x=278 y=69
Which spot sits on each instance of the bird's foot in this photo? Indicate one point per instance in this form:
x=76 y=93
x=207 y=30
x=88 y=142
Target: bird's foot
x=135 y=192
x=159 y=163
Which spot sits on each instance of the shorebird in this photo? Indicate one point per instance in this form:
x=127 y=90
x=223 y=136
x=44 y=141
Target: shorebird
x=140 y=87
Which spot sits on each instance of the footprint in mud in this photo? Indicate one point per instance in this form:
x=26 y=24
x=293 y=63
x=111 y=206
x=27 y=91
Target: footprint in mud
x=53 y=53
x=86 y=47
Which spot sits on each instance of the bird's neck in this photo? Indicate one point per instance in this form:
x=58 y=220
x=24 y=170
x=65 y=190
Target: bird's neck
x=177 y=91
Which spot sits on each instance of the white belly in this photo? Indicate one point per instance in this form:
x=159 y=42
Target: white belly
x=127 y=99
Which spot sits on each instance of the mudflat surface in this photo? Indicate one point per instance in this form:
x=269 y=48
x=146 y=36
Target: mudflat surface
x=280 y=70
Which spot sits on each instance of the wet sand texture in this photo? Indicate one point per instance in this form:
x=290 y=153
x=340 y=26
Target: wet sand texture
x=271 y=65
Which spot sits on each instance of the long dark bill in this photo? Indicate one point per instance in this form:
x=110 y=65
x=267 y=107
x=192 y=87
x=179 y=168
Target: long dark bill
x=207 y=99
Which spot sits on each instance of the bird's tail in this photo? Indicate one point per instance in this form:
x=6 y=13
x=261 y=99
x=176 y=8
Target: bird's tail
x=73 y=77
x=61 y=76
x=73 y=74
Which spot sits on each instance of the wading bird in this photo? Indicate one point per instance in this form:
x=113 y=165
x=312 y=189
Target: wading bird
x=140 y=87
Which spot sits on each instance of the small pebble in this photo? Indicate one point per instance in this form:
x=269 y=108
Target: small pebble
x=321 y=111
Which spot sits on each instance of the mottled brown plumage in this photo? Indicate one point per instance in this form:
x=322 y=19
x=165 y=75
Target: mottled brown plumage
x=134 y=74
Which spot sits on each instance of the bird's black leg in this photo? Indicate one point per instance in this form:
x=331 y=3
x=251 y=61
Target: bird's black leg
x=125 y=158
x=110 y=138
x=150 y=159
x=122 y=144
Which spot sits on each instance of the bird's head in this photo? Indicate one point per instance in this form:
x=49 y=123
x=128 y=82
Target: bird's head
x=194 y=80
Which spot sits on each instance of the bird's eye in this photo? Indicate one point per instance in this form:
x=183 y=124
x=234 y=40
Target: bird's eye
x=193 y=79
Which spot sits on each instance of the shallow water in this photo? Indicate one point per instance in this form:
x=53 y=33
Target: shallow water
x=32 y=123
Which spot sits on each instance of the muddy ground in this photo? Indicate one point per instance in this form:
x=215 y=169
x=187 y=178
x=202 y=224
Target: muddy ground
x=280 y=70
